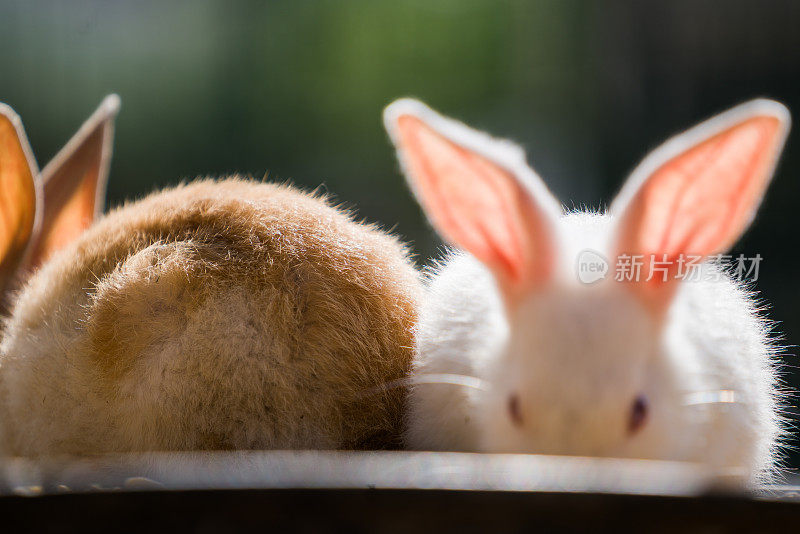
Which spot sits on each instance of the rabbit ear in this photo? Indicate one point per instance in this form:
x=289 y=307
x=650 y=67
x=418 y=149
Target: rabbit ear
x=19 y=195
x=478 y=193
x=74 y=182
x=697 y=193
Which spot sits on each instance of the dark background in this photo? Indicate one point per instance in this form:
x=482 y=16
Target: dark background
x=295 y=89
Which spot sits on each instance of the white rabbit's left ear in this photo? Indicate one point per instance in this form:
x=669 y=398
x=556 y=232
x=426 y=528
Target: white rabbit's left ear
x=74 y=183
x=478 y=193
x=697 y=193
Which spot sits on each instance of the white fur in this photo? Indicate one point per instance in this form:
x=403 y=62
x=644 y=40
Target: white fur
x=578 y=355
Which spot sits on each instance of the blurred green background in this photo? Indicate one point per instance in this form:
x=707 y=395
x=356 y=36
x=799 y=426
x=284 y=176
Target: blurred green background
x=295 y=89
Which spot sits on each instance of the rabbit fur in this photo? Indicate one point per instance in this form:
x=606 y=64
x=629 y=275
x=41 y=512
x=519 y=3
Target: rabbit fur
x=682 y=370
x=222 y=314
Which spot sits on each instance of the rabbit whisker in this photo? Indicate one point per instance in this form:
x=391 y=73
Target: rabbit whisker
x=431 y=378
x=719 y=396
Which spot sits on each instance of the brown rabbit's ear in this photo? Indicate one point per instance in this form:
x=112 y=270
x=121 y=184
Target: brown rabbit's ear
x=19 y=195
x=74 y=183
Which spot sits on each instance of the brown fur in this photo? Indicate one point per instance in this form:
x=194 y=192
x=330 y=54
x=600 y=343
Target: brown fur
x=216 y=315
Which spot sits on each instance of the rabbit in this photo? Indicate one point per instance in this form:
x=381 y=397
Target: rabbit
x=45 y=211
x=216 y=315
x=520 y=351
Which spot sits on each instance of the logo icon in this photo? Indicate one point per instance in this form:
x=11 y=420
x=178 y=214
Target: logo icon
x=591 y=266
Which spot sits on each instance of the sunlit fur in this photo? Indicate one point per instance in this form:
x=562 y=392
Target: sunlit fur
x=217 y=315
x=578 y=355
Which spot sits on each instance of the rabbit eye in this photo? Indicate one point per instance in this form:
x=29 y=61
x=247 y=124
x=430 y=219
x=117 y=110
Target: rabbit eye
x=638 y=415
x=514 y=410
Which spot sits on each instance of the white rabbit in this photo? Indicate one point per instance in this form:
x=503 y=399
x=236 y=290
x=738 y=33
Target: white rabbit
x=674 y=368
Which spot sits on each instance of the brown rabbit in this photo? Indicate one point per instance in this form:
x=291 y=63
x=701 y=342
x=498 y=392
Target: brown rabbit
x=222 y=314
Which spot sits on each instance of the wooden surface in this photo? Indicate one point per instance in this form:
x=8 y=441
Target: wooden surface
x=384 y=470
x=387 y=491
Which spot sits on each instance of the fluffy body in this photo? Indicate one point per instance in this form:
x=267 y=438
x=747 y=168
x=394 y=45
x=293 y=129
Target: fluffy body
x=578 y=355
x=216 y=315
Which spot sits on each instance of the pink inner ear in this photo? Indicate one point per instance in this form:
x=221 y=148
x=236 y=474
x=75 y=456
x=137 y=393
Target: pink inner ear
x=701 y=201
x=70 y=195
x=477 y=205
x=75 y=214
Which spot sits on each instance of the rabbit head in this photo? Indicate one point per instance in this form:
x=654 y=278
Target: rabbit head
x=581 y=365
x=43 y=212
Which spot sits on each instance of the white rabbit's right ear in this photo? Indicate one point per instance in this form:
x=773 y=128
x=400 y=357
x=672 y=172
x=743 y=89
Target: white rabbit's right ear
x=19 y=194
x=74 y=183
x=478 y=193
